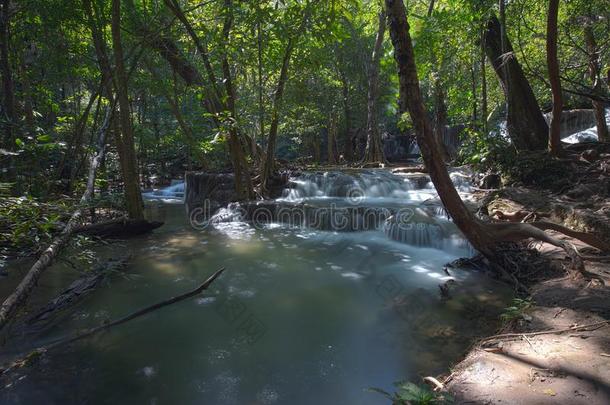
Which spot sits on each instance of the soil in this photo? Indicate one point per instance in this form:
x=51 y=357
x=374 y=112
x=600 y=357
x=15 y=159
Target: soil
x=572 y=367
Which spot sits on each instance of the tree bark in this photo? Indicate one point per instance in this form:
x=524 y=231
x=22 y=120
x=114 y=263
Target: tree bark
x=331 y=138
x=373 y=152
x=243 y=180
x=348 y=147
x=8 y=101
x=125 y=142
x=526 y=125
x=484 y=108
x=440 y=117
x=554 y=78
x=594 y=75
x=269 y=162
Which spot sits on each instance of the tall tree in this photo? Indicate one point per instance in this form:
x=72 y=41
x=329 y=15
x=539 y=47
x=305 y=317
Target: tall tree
x=269 y=162
x=593 y=52
x=483 y=236
x=526 y=125
x=212 y=95
x=125 y=140
x=9 y=120
x=554 y=78
x=374 y=147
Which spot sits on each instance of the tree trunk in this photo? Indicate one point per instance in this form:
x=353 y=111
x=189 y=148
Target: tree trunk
x=348 y=147
x=594 y=75
x=125 y=142
x=483 y=237
x=269 y=162
x=484 y=108
x=414 y=104
x=331 y=138
x=554 y=79
x=261 y=103
x=8 y=101
x=440 y=117
x=243 y=180
x=526 y=125
x=373 y=152
x=213 y=103
x=12 y=303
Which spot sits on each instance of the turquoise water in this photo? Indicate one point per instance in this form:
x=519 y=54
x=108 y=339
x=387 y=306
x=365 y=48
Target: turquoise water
x=299 y=317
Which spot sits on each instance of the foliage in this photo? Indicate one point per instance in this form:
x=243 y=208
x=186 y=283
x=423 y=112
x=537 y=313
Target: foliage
x=27 y=224
x=517 y=309
x=485 y=151
x=410 y=393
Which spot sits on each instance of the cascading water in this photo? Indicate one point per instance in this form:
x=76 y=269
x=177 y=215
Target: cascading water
x=298 y=307
x=404 y=207
x=173 y=193
x=587 y=135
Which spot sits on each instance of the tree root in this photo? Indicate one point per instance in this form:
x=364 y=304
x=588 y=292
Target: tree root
x=583 y=328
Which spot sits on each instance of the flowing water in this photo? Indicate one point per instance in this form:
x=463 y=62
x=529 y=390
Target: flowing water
x=301 y=316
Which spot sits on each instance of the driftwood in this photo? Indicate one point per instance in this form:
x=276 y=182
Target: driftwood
x=119 y=228
x=22 y=292
x=73 y=294
x=90 y=332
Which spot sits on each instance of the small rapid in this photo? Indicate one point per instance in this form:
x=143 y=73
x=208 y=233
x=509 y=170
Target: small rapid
x=403 y=207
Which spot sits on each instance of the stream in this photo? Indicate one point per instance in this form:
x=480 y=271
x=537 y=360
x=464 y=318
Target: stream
x=301 y=315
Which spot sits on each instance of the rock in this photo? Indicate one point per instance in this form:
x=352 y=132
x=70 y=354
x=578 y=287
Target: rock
x=580 y=192
x=590 y=155
x=491 y=181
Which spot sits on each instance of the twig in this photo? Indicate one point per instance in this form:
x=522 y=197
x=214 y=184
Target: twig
x=119 y=321
x=596 y=325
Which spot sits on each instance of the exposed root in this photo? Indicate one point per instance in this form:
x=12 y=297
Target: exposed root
x=582 y=328
x=438 y=386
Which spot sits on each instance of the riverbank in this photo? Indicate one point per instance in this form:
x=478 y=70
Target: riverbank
x=568 y=367
x=558 y=350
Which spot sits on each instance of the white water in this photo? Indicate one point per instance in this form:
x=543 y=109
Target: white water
x=588 y=135
x=401 y=208
x=171 y=194
x=366 y=187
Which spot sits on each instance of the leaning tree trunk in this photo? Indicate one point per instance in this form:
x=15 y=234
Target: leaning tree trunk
x=125 y=142
x=555 y=80
x=269 y=162
x=21 y=294
x=374 y=148
x=594 y=70
x=526 y=125
x=483 y=237
x=413 y=103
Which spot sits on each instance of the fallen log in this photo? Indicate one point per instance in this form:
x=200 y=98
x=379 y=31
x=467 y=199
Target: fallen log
x=89 y=332
x=22 y=292
x=79 y=289
x=118 y=228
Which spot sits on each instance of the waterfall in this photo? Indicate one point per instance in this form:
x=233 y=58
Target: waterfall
x=587 y=135
x=173 y=192
x=404 y=208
